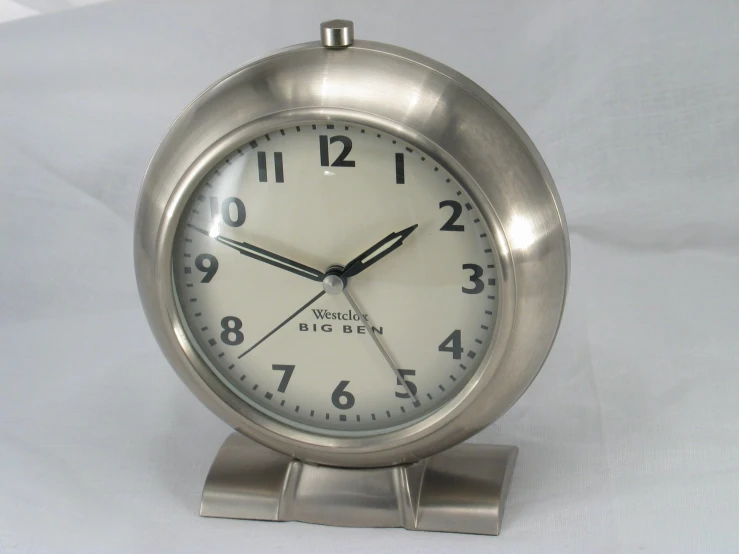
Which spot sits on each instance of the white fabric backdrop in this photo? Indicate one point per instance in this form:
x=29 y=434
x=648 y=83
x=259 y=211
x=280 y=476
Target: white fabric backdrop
x=630 y=436
x=18 y=9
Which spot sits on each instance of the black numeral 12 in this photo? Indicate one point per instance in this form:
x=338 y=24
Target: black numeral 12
x=341 y=161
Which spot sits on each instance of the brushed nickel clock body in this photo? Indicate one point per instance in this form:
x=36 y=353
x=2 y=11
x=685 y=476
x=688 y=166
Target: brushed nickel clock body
x=355 y=257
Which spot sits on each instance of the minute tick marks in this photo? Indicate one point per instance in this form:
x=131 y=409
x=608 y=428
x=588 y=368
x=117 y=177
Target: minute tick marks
x=230 y=255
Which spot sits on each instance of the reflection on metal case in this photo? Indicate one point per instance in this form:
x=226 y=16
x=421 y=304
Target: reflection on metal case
x=355 y=257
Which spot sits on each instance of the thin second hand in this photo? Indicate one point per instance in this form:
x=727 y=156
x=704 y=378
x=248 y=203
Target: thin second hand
x=281 y=325
x=384 y=352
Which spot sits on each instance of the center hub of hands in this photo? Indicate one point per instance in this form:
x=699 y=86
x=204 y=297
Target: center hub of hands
x=332 y=282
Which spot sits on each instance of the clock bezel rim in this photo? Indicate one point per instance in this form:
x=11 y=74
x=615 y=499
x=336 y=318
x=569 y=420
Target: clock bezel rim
x=210 y=159
x=448 y=425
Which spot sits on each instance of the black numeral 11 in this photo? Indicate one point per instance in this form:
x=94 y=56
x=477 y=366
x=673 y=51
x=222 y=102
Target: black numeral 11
x=262 y=165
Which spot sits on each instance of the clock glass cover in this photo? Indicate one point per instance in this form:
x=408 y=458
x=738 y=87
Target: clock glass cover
x=321 y=263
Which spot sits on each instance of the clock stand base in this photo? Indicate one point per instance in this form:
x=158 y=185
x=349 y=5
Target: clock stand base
x=461 y=490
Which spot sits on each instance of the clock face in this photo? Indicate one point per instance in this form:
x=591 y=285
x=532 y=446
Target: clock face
x=336 y=278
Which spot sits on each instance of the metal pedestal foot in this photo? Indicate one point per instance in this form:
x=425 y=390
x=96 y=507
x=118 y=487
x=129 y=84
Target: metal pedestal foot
x=461 y=490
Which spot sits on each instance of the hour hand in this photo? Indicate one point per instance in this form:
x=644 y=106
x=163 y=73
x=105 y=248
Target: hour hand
x=376 y=252
x=266 y=256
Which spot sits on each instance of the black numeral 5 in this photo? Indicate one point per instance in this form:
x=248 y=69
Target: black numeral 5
x=411 y=386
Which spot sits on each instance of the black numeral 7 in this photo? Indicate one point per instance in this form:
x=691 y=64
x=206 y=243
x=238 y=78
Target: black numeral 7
x=288 y=369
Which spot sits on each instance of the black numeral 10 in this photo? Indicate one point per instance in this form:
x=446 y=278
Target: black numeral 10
x=232 y=211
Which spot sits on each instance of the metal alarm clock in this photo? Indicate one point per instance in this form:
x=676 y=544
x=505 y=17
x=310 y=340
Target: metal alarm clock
x=355 y=257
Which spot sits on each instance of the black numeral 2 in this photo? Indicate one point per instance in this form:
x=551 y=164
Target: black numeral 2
x=341 y=161
x=262 y=164
x=451 y=224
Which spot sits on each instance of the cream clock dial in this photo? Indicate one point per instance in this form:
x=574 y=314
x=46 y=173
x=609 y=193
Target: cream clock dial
x=336 y=278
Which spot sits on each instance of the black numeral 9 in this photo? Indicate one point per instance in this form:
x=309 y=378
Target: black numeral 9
x=210 y=268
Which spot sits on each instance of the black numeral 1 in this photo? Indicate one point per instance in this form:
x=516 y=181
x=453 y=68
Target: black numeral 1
x=399 y=169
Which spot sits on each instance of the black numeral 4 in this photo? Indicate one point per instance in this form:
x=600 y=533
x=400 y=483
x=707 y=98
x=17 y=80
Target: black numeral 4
x=453 y=344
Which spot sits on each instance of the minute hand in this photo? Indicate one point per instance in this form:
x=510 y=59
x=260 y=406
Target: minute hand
x=376 y=252
x=266 y=256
